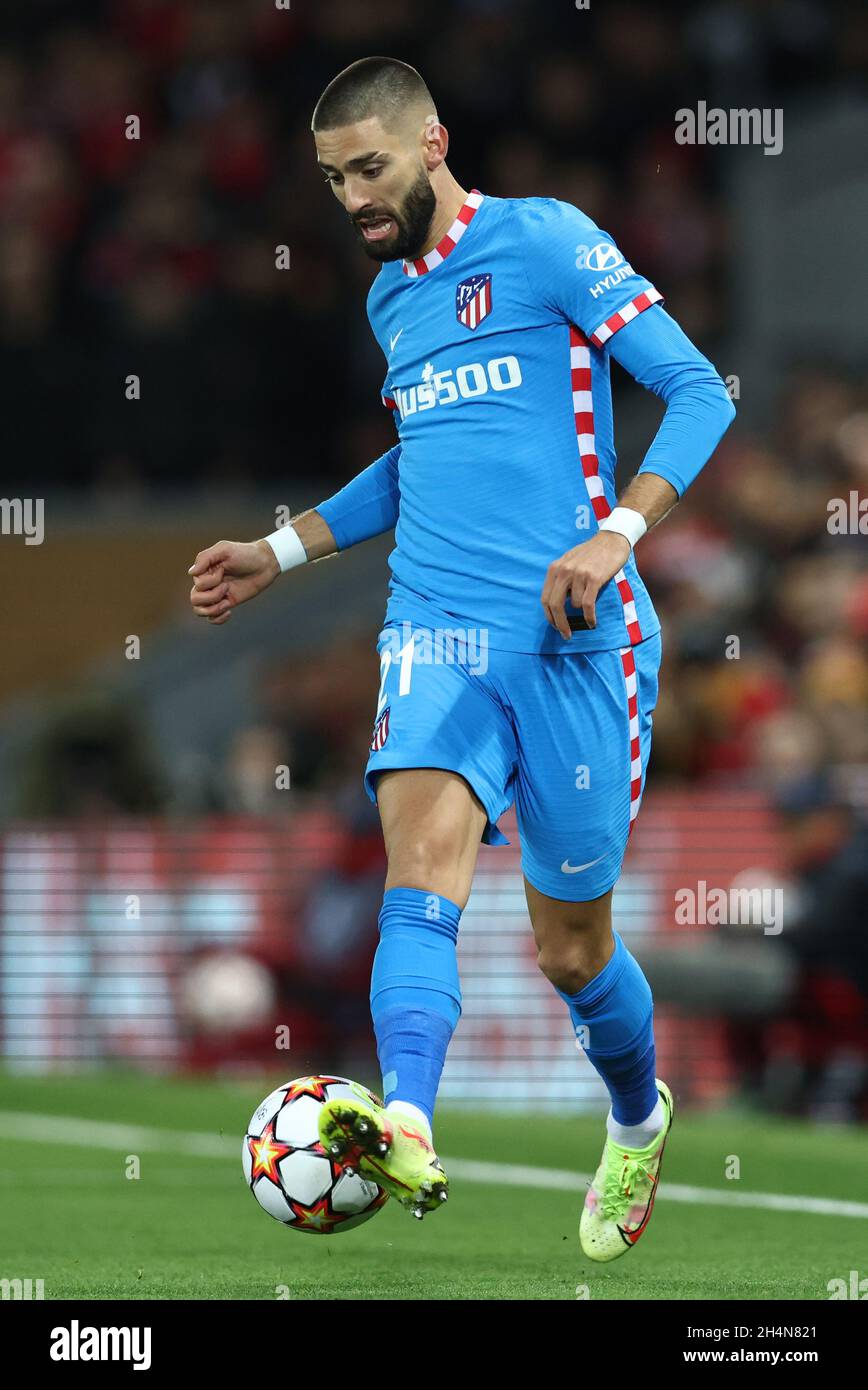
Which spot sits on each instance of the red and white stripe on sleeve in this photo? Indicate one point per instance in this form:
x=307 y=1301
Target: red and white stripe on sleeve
x=628 y=311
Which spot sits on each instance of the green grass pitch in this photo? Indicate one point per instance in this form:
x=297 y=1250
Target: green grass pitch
x=187 y=1228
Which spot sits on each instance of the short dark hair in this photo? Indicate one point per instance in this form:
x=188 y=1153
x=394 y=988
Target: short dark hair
x=381 y=87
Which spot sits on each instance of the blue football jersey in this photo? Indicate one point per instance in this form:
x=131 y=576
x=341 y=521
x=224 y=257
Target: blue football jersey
x=498 y=377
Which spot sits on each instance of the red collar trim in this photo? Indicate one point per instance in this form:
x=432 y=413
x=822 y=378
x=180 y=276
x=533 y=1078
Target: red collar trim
x=449 y=241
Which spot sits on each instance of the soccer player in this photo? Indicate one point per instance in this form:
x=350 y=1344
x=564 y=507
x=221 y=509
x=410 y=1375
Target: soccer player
x=520 y=652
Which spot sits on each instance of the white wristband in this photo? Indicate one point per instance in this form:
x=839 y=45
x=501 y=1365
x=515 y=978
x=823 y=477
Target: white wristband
x=287 y=547
x=632 y=525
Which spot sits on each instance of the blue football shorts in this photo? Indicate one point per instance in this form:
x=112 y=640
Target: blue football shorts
x=565 y=737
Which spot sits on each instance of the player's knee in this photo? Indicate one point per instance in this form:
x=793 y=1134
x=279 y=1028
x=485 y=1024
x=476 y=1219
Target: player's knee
x=571 y=958
x=427 y=862
x=567 y=968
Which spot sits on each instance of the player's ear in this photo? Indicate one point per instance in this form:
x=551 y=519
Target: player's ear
x=436 y=140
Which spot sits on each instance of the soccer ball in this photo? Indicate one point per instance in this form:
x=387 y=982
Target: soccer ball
x=288 y=1170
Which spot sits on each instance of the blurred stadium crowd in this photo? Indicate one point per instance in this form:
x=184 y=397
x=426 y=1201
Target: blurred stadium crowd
x=158 y=253
x=156 y=256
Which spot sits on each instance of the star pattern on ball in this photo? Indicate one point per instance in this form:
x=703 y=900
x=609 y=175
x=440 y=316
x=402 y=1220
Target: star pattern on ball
x=315 y=1218
x=266 y=1152
x=309 y=1086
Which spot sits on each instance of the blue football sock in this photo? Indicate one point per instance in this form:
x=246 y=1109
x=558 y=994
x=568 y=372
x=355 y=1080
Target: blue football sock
x=613 y=1019
x=415 y=993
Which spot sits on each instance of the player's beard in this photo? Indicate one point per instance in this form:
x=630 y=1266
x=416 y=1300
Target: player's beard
x=412 y=224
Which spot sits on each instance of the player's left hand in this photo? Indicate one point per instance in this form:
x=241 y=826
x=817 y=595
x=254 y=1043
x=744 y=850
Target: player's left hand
x=581 y=573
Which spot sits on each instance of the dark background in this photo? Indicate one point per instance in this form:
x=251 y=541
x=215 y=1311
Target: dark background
x=261 y=388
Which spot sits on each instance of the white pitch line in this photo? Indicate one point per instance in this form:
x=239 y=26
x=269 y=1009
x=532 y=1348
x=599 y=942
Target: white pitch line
x=62 y=1129
x=562 y=1180
x=99 y=1134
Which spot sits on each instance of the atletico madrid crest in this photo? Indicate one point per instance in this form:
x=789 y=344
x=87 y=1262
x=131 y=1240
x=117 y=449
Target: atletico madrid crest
x=381 y=731
x=473 y=300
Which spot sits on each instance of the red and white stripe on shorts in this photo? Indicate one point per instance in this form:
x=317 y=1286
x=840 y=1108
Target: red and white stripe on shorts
x=629 y=664
x=583 y=409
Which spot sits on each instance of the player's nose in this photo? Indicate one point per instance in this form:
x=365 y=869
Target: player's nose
x=357 y=200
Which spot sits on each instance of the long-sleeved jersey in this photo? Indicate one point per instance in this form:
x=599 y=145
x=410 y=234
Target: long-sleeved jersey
x=498 y=344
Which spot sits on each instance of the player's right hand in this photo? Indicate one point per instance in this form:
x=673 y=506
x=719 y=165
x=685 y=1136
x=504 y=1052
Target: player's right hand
x=229 y=573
